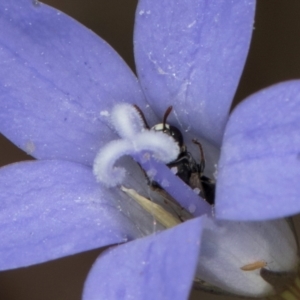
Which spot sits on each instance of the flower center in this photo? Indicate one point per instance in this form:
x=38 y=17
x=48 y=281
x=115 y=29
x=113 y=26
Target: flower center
x=152 y=149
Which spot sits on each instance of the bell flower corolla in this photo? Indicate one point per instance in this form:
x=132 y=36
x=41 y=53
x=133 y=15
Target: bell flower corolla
x=59 y=84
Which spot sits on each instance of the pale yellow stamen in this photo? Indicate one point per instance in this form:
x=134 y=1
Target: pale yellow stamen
x=254 y=266
x=158 y=212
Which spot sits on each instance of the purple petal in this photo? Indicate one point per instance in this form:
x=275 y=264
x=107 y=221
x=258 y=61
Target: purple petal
x=171 y=183
x=50 y=209
x=190 y=54
x=160 y=266
x=259 y=168
x=58 y=82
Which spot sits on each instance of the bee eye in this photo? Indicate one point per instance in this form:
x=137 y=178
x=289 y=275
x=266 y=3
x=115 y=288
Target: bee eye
x=176 y=134
x=170 y=130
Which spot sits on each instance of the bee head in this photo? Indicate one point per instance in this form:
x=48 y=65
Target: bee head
x=170 y=130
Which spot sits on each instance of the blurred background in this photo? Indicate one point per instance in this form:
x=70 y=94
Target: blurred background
x=274 y=56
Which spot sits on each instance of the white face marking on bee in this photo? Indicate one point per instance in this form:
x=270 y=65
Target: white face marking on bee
x=254 y=266
x=160 y=127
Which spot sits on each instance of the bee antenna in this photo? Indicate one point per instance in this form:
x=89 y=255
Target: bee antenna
x=168 y=111
x=202 y=161
x=141 y=115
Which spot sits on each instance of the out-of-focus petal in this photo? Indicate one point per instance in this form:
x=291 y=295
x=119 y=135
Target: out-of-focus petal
x=50 y=209
x=259 y=168
x=156 y=267
x=58 y=83
x=229 y=246
x=190 y=54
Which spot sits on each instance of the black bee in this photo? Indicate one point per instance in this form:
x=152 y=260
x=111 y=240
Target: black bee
x=185 y=166
x=191 y=172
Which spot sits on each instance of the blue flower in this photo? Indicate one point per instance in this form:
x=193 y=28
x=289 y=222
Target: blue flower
x=58 y=85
